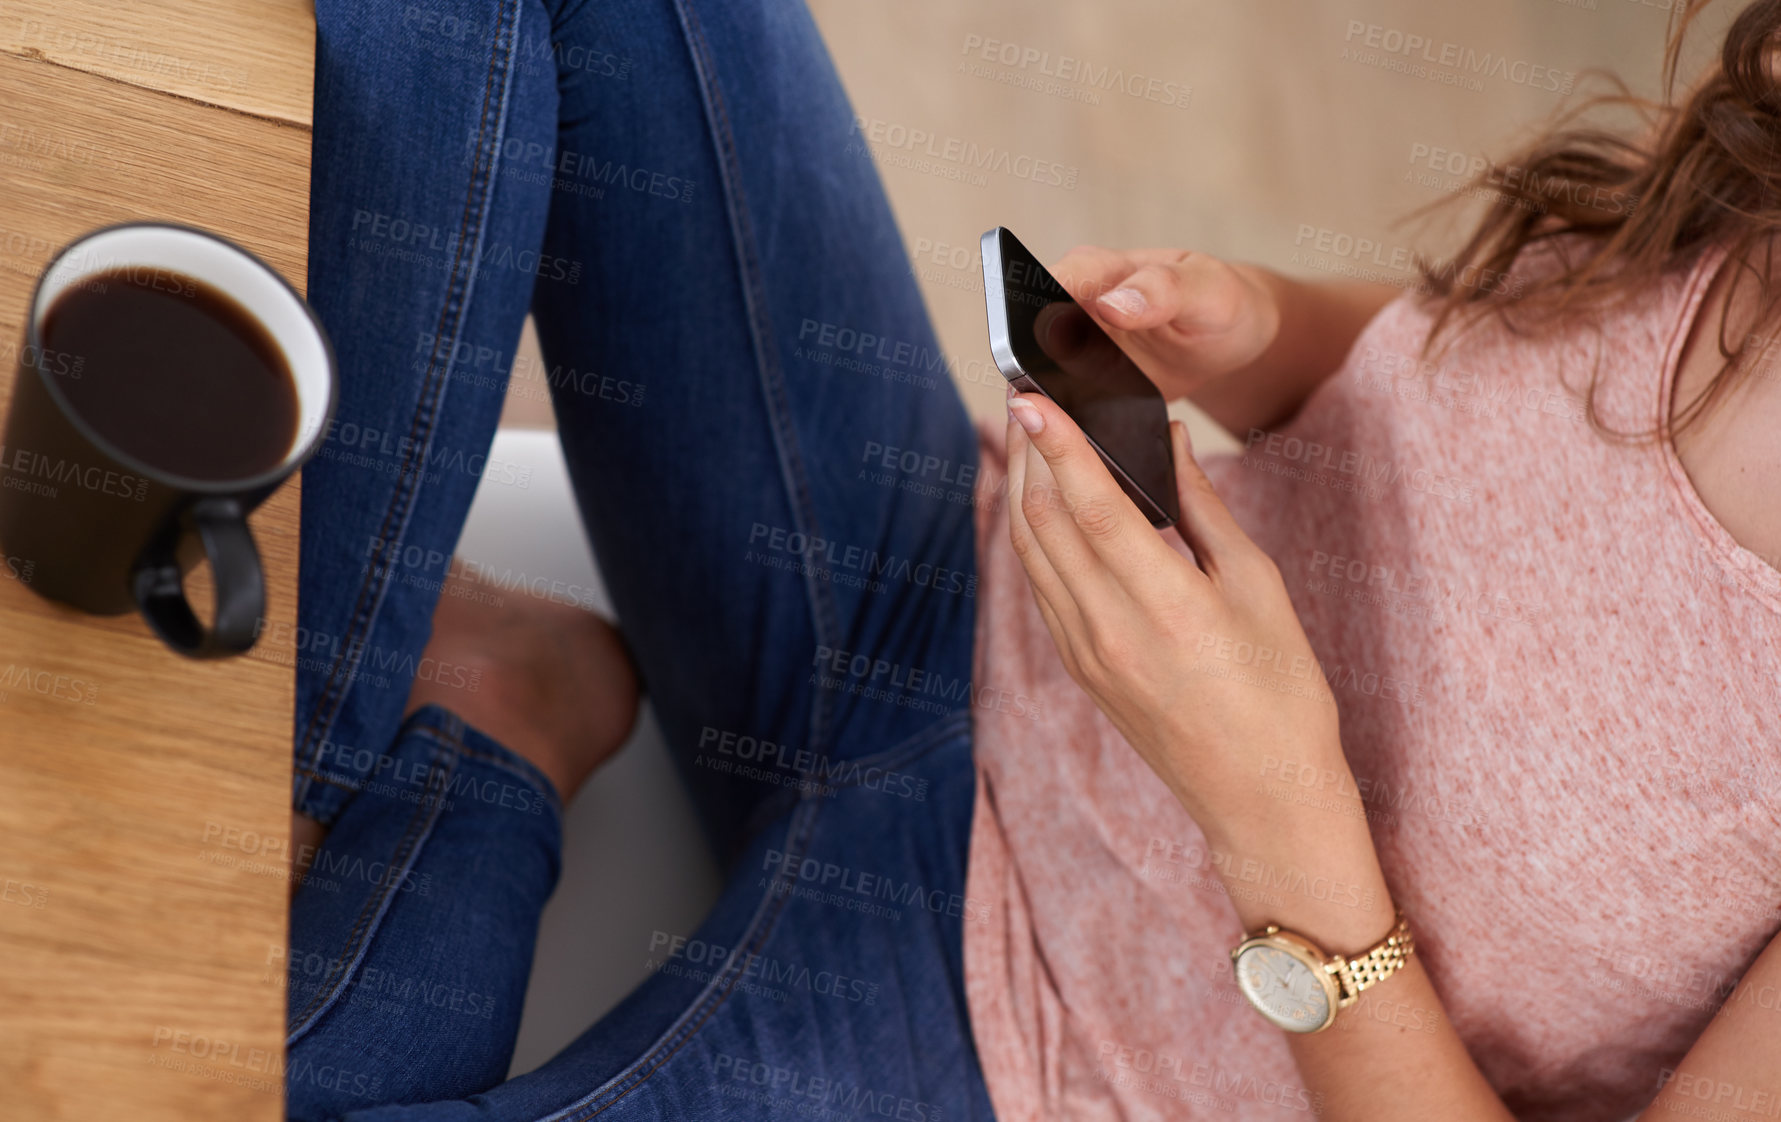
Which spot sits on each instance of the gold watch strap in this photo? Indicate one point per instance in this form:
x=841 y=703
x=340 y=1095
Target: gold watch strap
x=1387 y=957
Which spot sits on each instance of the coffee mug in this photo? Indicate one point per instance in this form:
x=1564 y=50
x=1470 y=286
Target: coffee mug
x=107 y=483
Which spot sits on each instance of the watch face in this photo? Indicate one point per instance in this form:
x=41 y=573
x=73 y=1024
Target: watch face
x=1284 y=988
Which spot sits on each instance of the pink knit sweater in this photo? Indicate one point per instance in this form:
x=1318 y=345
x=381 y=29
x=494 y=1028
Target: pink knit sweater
x=1560 y=690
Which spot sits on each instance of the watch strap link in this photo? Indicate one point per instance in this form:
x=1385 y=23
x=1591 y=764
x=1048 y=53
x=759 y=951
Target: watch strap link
x=1386 y=958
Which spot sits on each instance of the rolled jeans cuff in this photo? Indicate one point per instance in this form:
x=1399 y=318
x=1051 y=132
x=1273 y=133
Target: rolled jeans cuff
x=449 y=825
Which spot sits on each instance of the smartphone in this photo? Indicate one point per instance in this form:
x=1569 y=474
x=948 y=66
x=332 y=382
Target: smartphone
x=1044 y=342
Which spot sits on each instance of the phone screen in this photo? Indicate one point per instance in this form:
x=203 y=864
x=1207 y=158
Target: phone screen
x=1054 y=342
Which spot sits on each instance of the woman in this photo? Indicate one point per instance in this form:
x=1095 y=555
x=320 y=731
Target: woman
x=1544 y=647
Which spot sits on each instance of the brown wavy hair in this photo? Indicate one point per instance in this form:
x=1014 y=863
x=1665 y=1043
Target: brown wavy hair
x=1620 y=211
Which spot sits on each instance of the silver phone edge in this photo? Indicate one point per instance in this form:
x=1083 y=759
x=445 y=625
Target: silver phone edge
x=1001 y=348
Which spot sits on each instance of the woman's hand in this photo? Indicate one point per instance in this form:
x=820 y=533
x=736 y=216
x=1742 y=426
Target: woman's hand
x=1186 y=318
x=1204 y=668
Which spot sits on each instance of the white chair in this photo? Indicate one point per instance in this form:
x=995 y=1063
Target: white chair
x=634 y=859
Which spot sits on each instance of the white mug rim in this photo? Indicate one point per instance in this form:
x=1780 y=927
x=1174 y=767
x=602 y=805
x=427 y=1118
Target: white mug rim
x=304 y=442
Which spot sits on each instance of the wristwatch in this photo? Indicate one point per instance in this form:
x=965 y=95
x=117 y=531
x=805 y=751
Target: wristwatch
x=1292 y=983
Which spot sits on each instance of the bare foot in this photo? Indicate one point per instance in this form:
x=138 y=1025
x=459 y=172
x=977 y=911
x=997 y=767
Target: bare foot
x=551 y=681
x=307 y=836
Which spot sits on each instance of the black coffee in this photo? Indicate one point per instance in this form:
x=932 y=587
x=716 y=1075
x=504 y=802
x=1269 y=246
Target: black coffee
x=174 y=373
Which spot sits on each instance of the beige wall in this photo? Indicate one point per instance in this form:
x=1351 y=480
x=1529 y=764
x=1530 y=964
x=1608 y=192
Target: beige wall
x=1282 y=129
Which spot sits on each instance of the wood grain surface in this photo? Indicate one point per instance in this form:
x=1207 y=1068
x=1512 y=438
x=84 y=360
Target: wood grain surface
x=253 y=56
x=144 y=798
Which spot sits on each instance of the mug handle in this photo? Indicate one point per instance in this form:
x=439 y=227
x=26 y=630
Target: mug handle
x=221 y=526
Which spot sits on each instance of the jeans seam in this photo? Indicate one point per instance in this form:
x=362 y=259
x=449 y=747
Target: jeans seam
x=313 y=775
x=905 y=752
x=910 y=749
x=524 y=770
x=717 y=991
x=420 y=823
x=426 y=413
x=825 y=614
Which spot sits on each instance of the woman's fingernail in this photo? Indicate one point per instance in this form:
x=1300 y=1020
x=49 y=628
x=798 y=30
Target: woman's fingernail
x=1125 y=300
x=1030 y=418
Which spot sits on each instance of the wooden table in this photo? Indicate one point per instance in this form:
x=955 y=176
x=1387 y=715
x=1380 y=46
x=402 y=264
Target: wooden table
x=144 y=798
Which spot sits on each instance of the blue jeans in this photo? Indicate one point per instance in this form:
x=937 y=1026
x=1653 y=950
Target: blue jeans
x=774 y=471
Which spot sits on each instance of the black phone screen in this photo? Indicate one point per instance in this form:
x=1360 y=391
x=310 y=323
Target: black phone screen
x=1056 y=344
